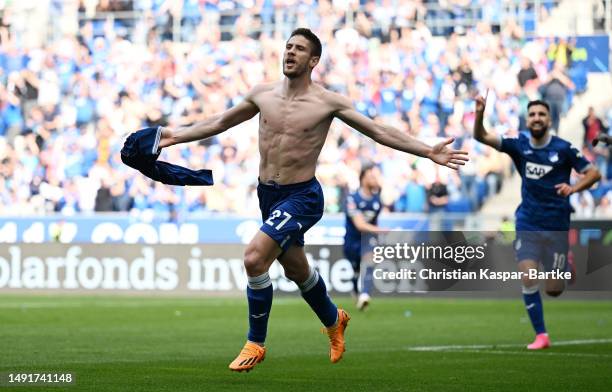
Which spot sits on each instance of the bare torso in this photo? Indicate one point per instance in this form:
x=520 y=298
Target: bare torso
x=292 y=132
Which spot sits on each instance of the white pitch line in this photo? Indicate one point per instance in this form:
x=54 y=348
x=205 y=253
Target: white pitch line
x=494 y=346
x=61 y=305
x=531 y=353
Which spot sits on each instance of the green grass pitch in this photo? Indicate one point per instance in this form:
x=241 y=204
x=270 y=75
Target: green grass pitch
x=161 y=344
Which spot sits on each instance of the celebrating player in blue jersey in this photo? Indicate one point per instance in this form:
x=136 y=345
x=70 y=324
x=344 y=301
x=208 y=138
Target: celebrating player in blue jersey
x=294 y=118
x=545 y=163
x=362 y=210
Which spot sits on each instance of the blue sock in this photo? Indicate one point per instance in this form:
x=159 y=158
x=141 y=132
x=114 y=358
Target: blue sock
x=259 y=295
x=533 y=304
x=315 y=293
x=355 y=281
x=367 y=280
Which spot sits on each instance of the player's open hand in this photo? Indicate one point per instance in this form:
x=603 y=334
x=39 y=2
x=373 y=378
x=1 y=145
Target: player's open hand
x=443 y=155
x=166 y=139
x=564 y=189
x=481 y=102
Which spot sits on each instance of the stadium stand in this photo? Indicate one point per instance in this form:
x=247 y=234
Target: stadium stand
x=109 y=67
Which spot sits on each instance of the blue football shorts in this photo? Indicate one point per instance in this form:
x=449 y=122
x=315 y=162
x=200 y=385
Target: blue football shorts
x=547 y=247
x=288 y=211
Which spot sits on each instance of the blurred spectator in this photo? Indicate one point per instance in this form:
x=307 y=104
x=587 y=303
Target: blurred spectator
x=584 y=204
x=490 y=168
x=437 y=196
x=599 y=14
x=464 y=78
x=104 y=198
x=527 y=72
x=414 y=197
x=600 y=155
x=555 y=92
x=592 y=127
x=560 y=53
x=604 y=208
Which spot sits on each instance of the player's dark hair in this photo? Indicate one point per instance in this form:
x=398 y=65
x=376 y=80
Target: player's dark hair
x=317 y=48
x=365 y=169
x=538 y=102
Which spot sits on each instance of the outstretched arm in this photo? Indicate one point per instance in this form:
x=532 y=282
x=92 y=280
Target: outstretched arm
x=394 y=138
x=480 y=133
x=211 y=126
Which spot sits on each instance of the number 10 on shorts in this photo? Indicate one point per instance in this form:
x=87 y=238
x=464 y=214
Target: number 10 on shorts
x=559 y=261
x=276 y=214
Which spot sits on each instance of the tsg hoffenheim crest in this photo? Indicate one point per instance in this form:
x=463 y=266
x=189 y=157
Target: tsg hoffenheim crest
x=553 y=157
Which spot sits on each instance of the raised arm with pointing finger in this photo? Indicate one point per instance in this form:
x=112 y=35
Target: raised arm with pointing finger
x=480 y=133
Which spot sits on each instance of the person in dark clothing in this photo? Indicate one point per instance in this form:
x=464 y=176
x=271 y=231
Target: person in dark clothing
x=554 y=92
x=527 y=72
x=592 y=127
x=437 y=196
x=104 y=199
x=463 y=77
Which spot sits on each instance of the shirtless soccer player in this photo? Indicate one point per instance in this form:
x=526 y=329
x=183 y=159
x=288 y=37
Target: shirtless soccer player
x=545 y=163
x=294 y=118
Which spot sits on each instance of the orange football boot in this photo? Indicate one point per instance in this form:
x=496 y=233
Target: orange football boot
x=250 y=355
x=336 y=336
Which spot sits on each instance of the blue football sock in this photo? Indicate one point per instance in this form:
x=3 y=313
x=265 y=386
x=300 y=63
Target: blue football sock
x=535 y=309
x=368 y=281
x=259 y=295
x=315 y=293
x=355 y=281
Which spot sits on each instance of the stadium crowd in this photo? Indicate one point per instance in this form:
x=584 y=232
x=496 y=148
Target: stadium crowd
x=67 y=107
